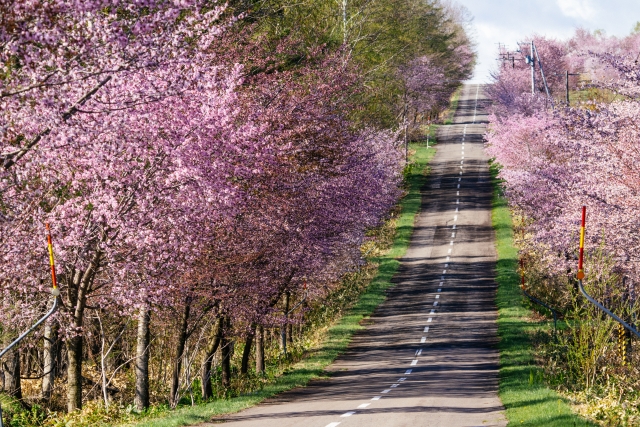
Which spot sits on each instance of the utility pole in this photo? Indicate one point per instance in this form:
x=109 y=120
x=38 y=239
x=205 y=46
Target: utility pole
x=533 y=72
x=566 y=81
x=567 y=85
x=406 y=139
x=544 y=79
x=344 y=21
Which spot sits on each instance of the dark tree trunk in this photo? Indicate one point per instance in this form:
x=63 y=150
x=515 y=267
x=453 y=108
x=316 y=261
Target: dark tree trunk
x=182 y=341
x=78 y=286
x=205 y=370
x=283 y=330
x=260 y=349
x=11 y=367
x=244 y=367
x=226 y=355
x=141 y=399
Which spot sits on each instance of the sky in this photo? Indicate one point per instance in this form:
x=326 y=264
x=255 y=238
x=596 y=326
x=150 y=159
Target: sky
x=511 y=21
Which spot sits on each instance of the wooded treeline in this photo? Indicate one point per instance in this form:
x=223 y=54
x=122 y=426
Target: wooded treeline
x=211 y=174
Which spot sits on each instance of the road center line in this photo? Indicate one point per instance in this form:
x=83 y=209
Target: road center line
x=426 y=329
x=422 y=340
x=333 y=425
x=376 y=398
x=347 y=414
x=429 y=320
x=364 y=405
x=388 y=390
x=413 y=363
x=408 y=371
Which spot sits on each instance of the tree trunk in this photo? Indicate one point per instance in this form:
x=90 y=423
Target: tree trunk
x=283 y=330
x=205 y=371
x=79 y=286
x=11 y=367
x=49 y=358
x=141 y=399
x=260 y=349
x=226 y=355
x=182 y=341
x=244 y=367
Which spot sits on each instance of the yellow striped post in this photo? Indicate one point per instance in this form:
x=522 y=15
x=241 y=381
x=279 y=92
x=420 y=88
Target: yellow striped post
x=55 y=291
x=580 y=274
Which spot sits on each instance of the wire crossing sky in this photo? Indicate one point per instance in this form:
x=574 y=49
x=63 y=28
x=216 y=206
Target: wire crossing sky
x=510 y=21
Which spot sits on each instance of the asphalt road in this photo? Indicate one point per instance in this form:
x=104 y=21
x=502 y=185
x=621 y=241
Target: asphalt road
x=429 y=358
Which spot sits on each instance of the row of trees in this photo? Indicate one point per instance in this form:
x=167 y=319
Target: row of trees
x=553 y=162
x=204 y=168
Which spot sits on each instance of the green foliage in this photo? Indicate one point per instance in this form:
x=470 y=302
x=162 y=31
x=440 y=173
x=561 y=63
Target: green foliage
x=381 y=36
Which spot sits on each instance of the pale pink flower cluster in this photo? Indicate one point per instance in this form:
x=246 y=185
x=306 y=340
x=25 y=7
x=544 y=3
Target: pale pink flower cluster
x=555 y=161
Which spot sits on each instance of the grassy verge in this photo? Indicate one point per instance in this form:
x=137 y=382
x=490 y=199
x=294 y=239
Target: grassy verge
x=339 y=335
x=528 y=401
x=453 y=106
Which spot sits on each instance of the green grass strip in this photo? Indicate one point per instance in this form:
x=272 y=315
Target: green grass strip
x=451 y=111
x=528 y=401
x=338 y=335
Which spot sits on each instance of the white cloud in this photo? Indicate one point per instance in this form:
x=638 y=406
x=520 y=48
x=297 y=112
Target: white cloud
x=579 y=9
